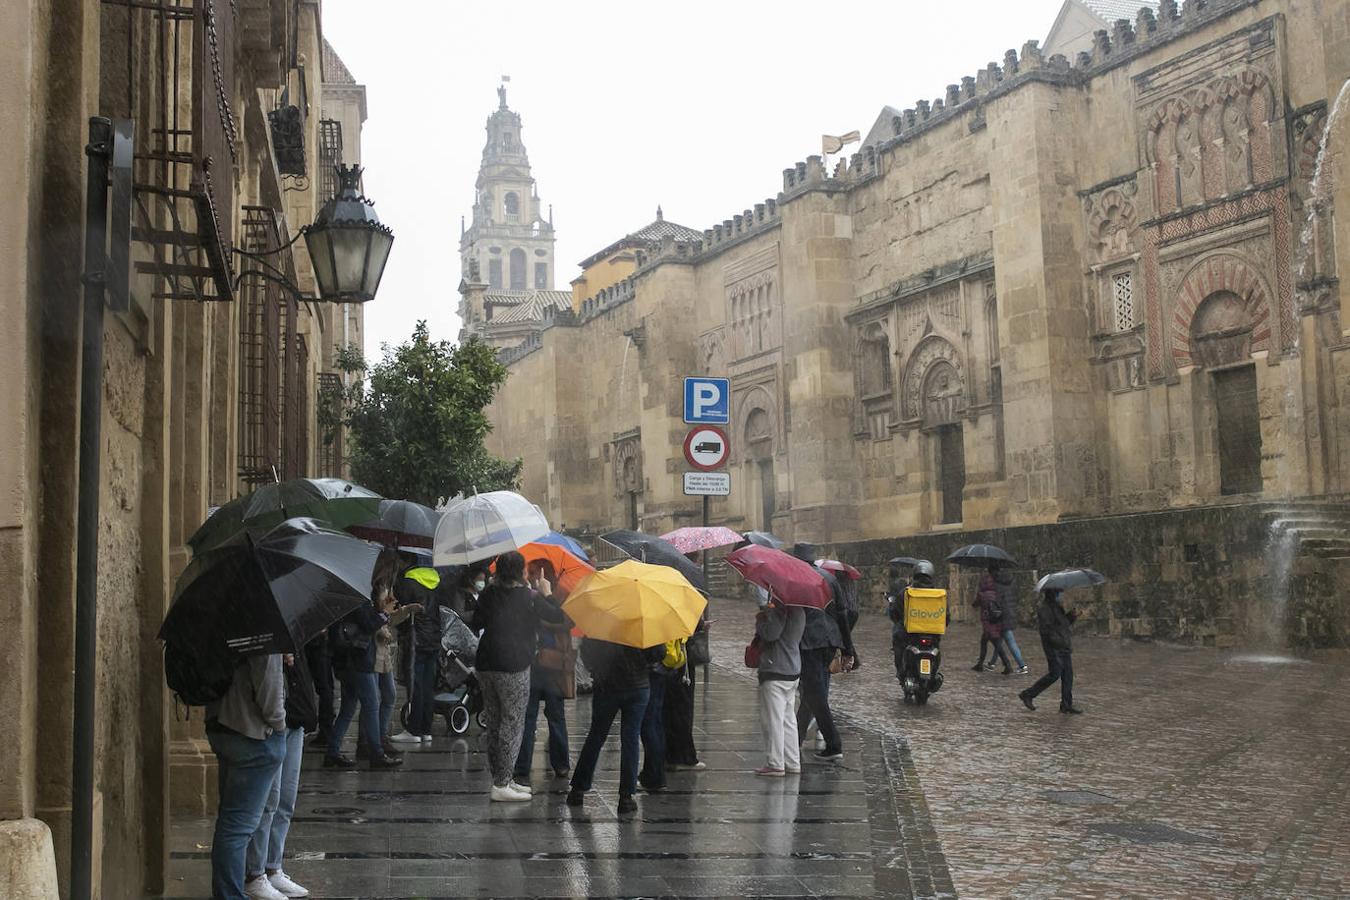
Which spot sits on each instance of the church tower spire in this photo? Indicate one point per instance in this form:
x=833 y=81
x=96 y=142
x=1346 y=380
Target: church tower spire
x=509 y=244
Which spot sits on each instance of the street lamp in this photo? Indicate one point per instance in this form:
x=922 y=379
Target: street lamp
x=347 y=243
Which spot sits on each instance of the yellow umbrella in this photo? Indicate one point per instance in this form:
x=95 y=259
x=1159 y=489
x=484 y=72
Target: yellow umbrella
x=636 y=604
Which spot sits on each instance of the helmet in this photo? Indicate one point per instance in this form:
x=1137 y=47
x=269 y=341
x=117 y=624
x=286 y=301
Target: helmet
x=924 y=567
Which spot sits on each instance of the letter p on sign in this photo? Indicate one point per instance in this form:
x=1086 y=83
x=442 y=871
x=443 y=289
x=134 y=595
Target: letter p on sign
x=707 y=401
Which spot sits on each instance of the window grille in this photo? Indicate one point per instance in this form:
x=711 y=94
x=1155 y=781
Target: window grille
x=1122 y=296
x=330 y=156
x=328 y=399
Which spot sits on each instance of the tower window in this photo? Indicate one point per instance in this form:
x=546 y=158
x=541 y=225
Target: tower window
x=508 y=140
x=512 y=203
x=541 y=276
x=517 y=269
x=495 y=272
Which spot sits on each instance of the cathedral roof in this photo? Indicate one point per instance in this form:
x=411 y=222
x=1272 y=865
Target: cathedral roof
x=335 y=71
x=526 y=306
x=647 y=236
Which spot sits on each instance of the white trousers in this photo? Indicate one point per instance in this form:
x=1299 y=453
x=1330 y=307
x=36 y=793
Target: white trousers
x=778 y=720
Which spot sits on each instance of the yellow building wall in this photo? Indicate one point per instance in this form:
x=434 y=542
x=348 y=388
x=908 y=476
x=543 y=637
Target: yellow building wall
x=600 y=275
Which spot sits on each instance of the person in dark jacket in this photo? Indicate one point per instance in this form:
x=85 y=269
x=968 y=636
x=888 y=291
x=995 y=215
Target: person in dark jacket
x=268 y=844
x=352 y=640
x=1056 y=626
x=321 y=672
x=827 y=632
x=681 y=752
x=547 y=687
x=1007 y=602
x=621 y=677
x=991 y=625
x=509 y=614
x=419 y=588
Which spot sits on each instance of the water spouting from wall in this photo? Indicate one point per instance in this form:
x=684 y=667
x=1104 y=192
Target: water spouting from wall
x=1318 y=189
x=1282 y=547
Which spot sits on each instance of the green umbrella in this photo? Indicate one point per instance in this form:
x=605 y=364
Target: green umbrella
x=333 y=501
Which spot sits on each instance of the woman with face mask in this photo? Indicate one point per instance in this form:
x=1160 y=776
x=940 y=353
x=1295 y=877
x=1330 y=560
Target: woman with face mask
x=472 y=581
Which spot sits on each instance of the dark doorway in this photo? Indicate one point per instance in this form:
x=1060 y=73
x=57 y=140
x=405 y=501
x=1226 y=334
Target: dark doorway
x=633 y=511
x=1239 y=420
x=768 y=494
x=951 y=461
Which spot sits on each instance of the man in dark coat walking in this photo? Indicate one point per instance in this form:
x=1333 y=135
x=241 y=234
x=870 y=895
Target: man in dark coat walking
x=1056 y=626
x=826 y=631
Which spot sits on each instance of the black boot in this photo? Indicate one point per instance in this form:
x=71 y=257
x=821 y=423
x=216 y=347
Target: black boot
x=384 y=762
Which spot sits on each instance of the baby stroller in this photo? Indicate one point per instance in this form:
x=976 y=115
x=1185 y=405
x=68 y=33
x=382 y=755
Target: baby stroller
x=458 y=699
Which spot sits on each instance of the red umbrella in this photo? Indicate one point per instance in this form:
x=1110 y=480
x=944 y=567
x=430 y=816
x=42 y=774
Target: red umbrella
x=839 y=568
x=789 y=579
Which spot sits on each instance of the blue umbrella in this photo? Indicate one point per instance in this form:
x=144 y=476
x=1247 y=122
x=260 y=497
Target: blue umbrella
x=562 y=540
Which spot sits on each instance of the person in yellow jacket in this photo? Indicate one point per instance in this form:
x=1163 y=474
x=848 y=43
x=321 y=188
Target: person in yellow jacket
x=419 y=586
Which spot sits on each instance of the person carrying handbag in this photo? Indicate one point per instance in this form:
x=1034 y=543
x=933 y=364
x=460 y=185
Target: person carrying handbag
x=552 y=680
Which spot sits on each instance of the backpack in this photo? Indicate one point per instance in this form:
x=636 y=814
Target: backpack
x=198 y=678
x=675 y=657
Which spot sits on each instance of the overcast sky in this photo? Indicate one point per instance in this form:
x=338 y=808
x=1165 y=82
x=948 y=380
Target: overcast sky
x=696 y=106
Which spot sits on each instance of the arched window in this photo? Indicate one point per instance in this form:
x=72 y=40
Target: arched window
x=518 y=273
x=512 y=204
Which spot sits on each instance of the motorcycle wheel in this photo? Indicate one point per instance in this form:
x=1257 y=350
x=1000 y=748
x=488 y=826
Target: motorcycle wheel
x=480 y=719
x=457 y=720
x=921 y=696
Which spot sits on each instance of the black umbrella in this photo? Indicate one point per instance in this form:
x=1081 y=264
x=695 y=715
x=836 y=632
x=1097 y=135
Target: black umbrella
x=907 y=561
x=649 y=549
x=333 y=501
x=269 y=592
x=1070 y=578
x=981 y=556
x=401 y=522
x=764 y=539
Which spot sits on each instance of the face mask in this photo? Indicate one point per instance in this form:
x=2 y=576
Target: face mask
x=479 y=585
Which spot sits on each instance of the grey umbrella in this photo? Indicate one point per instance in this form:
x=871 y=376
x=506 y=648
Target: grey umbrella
x=981 y=556
x=907 y=561
x=1070 y=578
x=764 y=539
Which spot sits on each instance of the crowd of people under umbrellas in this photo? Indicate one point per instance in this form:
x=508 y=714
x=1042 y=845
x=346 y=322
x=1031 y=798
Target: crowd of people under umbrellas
x=278 y=605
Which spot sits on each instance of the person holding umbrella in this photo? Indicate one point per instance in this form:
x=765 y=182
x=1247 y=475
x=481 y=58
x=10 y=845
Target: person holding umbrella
x=778 y=630
x=509 y=614
x=353 y=641
x=1056 y=627
x=991 y=625
x=826 y=635
x=628 y=613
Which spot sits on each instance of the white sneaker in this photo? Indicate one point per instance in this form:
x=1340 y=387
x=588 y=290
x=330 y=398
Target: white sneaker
x=508 y=794
x=523 y=788
x=404 y=737
x=426 y=738
x=820 y=742
x=262 y=889
x=287 y=888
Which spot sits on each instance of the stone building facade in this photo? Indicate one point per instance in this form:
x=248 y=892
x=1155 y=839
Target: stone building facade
x=1065 y=290
x=211 y=375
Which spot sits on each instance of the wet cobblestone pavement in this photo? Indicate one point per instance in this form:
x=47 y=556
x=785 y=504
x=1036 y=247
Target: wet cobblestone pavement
x=1193 y=774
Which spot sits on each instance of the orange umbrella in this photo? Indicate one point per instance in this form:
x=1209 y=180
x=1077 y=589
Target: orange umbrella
x=568 y=570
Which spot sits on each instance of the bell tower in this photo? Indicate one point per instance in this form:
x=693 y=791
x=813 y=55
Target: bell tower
x=510 y=241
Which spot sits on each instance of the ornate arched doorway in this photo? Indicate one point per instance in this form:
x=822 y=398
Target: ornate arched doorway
x=1221 y=343
x=935 y=396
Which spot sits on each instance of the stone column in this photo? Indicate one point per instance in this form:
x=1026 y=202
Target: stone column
x=1047 y=383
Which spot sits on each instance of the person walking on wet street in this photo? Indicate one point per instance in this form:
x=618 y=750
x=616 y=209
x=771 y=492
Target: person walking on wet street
x=991 y=625
x=547 y=676
x=778 y=637
x=825 y=638
x=1056 y=626
x=509 y=614
x=1007 y=602
x=622 y=687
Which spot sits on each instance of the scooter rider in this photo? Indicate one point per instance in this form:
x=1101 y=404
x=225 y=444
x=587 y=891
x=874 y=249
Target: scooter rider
x=922 y=577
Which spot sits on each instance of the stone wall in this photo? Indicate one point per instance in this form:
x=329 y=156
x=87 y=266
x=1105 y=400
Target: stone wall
x=1208 y=575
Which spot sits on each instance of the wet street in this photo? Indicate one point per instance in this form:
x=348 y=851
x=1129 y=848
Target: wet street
x=1193 y=774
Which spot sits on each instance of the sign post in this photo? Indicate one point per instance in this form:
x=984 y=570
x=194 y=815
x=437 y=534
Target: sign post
x=707 y=404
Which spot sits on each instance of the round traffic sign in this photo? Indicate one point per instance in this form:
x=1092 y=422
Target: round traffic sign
x=706 y=447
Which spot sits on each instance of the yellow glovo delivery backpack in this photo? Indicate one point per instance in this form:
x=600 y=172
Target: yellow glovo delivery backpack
x=925 y=610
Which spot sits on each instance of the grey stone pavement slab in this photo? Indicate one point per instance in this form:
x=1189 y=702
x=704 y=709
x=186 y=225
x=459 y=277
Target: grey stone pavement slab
x=1194 y=773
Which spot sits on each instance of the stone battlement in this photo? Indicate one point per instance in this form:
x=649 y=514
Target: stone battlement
x=1124 y=42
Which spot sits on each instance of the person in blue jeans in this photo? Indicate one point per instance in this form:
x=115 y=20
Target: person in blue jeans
x=621 y=689
x=268 y=844
x=1007 y=600
x=546 y=686
x=653 y=774
x=247 y=732
x=352 y=640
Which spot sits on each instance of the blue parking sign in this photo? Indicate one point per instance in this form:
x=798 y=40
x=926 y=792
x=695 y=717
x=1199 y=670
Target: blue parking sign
x=707 y=401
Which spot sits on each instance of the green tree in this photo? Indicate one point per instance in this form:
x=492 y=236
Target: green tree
x=416 y=428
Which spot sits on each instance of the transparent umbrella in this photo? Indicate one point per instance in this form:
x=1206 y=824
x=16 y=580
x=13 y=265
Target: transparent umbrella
x=486 y=525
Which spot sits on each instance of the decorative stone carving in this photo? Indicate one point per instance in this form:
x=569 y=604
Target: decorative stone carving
x=712 y=356
x=926 y=399
x=1222 y=282
x=754 y=305
x=627 y=459
x=1112 y=221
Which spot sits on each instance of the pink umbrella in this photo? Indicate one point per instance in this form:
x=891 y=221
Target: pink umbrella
x=789 y=579
x=694 y=539
x=839 y=568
